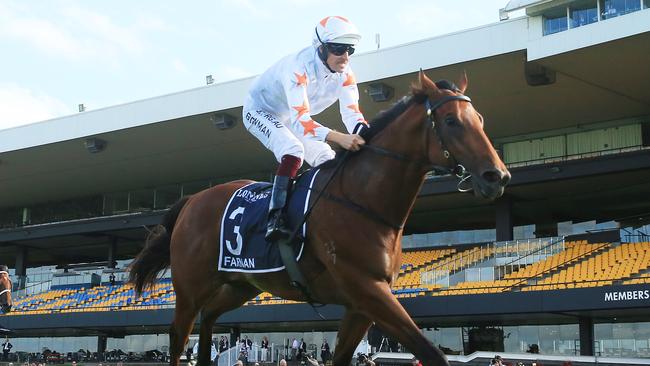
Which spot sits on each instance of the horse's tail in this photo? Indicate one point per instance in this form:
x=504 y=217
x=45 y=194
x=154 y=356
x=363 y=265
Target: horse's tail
x=155 y=256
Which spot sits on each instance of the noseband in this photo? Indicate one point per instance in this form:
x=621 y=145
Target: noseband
x=456 y=168
x=7 y=290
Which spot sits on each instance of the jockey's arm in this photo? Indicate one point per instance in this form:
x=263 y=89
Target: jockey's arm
x=349 y=105
x=350 y=114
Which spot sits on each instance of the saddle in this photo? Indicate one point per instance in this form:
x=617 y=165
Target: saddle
x=243 y=226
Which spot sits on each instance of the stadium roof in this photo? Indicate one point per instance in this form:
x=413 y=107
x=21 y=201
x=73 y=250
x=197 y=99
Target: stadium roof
x=170 y=138
x=513 y=5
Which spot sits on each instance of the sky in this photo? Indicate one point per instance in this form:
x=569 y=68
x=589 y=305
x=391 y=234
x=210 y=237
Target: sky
x=57 y=54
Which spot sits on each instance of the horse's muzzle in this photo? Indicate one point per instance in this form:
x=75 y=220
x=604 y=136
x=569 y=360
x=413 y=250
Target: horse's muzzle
x=491 y=183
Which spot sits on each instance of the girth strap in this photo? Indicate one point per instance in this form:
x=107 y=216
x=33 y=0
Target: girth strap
x=295 y=275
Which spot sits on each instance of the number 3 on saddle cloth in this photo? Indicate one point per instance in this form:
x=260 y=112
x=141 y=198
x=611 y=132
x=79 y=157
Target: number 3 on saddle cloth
x=243 y=226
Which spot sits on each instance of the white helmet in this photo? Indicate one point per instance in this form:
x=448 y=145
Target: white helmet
x=336 y=29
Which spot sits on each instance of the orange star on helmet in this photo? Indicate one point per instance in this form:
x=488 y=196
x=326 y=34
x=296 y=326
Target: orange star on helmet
x=310 y=126
x=302 y=109
x=301 y=80
x=349 y=79
x=324 y=21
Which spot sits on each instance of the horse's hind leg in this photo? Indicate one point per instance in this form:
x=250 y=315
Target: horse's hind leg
x=353 y=327
x=184 y=316
x=227 y=297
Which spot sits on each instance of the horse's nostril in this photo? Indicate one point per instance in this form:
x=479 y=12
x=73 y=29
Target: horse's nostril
x=491 y=176
x=496 y=176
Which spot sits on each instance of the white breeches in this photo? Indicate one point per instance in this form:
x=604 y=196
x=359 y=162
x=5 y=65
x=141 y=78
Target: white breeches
x=281 y=140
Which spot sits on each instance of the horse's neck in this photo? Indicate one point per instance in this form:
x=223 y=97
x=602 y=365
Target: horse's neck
x=389 y=186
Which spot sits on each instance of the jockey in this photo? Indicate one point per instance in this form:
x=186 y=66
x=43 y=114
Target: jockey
x=279 y=105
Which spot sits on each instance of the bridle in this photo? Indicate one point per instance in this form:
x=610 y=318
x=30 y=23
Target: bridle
x=7 y=290
x=455 y=167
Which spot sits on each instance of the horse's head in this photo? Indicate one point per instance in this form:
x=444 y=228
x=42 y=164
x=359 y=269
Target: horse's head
x=457 y=137
x=5 y=289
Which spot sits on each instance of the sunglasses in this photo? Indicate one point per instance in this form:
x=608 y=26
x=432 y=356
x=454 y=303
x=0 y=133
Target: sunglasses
x=338 y=49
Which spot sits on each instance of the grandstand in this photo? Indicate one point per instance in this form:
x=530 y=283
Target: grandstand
x=579 y=264
x=560 y=262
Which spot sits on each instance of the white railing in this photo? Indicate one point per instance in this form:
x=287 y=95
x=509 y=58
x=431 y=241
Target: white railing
x=255 y=354
x=32 y=289
x=505 y=256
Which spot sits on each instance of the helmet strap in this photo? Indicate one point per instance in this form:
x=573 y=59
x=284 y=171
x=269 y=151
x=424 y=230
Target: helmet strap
x=323 y=52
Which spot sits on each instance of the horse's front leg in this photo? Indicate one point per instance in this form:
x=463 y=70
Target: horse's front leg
x=378 y=303
x=353 y=327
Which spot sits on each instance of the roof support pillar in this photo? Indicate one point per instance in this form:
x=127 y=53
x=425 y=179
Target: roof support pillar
x=112 y=247
x=21 y=267
x=586 y=336
x=504 y=221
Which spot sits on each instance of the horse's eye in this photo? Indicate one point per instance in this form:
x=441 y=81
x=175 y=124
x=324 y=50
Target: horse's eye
x=450 y=120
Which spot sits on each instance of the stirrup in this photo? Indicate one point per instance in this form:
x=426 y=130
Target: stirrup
x=276 y=228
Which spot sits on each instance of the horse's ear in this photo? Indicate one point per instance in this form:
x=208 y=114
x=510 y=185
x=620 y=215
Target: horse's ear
x=425 y=82
x=462 y=82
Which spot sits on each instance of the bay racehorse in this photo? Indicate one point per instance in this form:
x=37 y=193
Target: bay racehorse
x=5 y=289
x=353 y=251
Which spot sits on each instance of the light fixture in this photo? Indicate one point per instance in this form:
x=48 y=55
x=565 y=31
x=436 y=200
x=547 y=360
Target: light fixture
x=94 y=145
x=503 y=14
x=380 y=92
x=223 y=121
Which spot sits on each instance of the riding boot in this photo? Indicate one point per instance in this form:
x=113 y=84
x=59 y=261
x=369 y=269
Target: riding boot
x=276 y=228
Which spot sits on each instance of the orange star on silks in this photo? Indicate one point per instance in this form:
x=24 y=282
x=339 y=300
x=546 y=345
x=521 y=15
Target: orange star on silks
x=323 y=21
x=355 y=108
x=302 y=109
x=301 y=80
x=349 y=80
x=310 y=126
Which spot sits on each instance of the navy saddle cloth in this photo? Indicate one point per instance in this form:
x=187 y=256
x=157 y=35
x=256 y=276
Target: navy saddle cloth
x=243 y=226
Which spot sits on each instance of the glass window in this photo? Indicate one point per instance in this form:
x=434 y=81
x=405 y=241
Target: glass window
x=141 y=200
x=622 y=339
x=583 y=13
x=449 y=340
x=116 y=203
x=65 y=344
x=614 y=8
x=555 y=21
x=166 y=196
x=10 y=218
x=646 y=4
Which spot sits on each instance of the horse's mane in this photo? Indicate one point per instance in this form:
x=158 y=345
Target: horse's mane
x=385 y=117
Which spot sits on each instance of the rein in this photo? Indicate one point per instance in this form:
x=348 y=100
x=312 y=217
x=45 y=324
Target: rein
x=458 y=170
